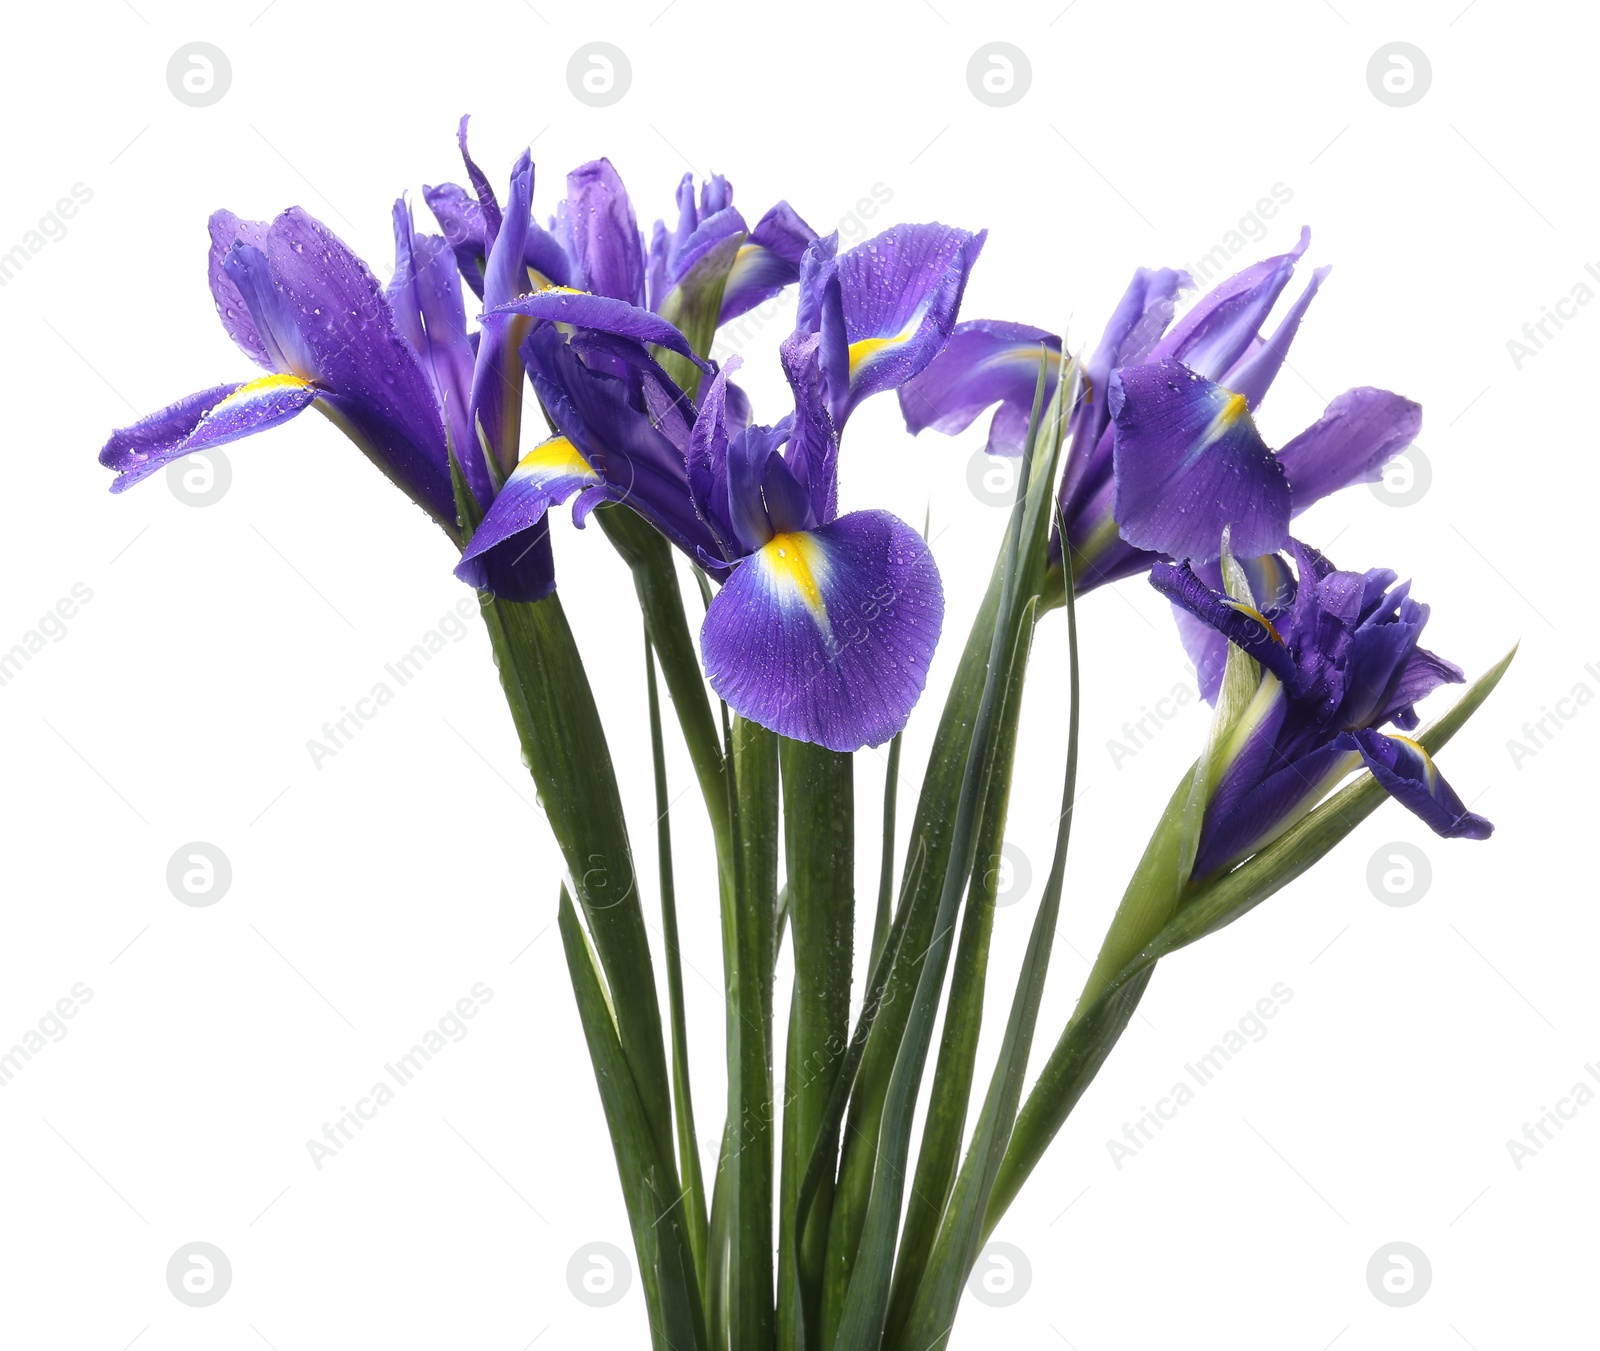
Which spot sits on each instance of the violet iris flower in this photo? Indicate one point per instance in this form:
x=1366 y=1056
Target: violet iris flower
x=1163 y=451
x=1339 y=659
x=301 y=305
x=826 y=623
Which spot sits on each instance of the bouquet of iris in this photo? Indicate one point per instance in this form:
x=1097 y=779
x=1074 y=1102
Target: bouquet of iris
x=840 y=1218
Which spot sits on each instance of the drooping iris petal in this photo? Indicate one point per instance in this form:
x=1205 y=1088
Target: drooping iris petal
x=517 y=522
x=1241 y=624
x=1219 y=330
x=768 y=261
x=1188 y=462
x=895 y=307
x=212 y=417
x=604 y=235
x=826 y=636
x=1409 y=775
x=559 y=305
x=226 y=231
x=1361 y=431
x=986 y=361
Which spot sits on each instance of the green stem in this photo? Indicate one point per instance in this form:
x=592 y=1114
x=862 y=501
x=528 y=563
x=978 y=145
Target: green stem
x=1096 y=1026
x=819 y=850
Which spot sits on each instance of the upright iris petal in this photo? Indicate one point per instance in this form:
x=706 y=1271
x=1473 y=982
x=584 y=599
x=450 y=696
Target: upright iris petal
x=887 y=307
x=603 y=235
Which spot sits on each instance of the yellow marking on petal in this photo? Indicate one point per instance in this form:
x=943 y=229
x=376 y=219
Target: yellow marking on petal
x=865 y=350
x=263 y=385
x=1260 y=618
x=556 y=458
x=1234 y=409
x=795 y=561
x=1428 y=766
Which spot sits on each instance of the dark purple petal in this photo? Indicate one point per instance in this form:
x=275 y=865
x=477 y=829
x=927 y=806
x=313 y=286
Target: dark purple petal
x=226 y=231
x=1408 y=774
x=1361 y=431
x=1241 y=624
x=1188 y=462
x=827 y=636
x=602 y=402
x=605 y=238
x=212 y=417
x=1276 y=803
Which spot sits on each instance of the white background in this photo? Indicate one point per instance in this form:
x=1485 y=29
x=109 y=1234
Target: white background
x=371 y=894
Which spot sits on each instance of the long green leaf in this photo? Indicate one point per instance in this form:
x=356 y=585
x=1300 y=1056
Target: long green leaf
x=746 y=1316
x=939 y=1286
x=564 y=746
x=866 y=1299
x=694 y=1197
x=649 y=1184
x=1095 y=1027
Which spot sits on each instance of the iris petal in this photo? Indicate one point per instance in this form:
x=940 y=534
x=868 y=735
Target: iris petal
x=212 y=417
x=1409 y=775
x=1189 y=462
x=826 y=635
